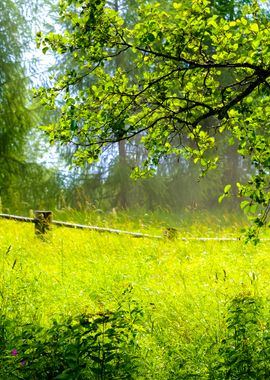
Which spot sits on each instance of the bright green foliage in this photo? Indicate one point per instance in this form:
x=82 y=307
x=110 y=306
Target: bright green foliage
x=245 y=350
x=88 y=346
x=173 y=94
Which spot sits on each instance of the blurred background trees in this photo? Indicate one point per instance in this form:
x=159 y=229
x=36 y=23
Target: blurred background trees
x=24 y=183
x=16 y=118
x=28 y=181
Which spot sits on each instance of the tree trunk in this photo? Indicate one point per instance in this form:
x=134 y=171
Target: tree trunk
x=122 y=196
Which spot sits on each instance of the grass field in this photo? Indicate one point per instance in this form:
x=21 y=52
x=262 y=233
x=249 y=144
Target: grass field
x=155 y=309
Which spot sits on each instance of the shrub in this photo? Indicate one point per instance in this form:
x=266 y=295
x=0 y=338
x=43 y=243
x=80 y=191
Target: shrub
x=89 y=346
x=245 y=350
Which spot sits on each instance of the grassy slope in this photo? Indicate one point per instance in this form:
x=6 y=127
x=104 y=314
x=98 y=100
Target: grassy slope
x=184 y=287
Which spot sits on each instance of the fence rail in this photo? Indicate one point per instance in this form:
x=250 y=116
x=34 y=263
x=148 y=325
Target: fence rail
x=80 y=226
x=37 y=222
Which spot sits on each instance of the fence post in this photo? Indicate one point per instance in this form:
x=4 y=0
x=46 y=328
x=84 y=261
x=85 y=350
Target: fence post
x=170 y=233
x=42 y=222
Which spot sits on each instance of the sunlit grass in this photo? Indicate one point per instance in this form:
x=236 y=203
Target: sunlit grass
x=184 y=287
x=191 y=221
x=73 y=269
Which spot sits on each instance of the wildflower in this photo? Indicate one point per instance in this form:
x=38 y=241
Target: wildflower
x=22 y=362
x=14 y=352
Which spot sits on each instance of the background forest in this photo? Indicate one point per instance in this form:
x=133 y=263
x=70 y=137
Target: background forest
x=34 y=176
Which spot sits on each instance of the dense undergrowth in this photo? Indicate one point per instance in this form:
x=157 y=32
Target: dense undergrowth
x=85 y=305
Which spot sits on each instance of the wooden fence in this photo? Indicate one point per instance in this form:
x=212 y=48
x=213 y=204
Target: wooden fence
x=43 y=221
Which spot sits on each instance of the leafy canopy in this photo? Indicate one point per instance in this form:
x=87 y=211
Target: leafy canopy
x=192 y=75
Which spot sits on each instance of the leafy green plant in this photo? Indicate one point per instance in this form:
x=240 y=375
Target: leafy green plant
x=89 y=346
x=104 y=343
x=245 y=350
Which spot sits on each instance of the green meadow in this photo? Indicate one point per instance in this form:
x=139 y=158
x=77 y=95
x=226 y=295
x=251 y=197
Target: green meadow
x=87 y=305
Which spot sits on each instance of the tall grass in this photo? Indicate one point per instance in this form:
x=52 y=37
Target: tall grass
x=185 y=289
x=144 y=220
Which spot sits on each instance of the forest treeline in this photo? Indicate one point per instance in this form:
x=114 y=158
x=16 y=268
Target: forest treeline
x=27 y=182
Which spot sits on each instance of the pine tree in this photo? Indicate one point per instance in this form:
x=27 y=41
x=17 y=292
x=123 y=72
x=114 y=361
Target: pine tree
x=15 y=117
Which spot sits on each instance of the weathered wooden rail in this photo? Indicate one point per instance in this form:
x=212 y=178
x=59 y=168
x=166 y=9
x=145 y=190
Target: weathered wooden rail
x=43 y=221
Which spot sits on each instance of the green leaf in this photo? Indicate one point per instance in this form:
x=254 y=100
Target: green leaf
x=227 y=189
x=177 y=6
x=150 y=37
x=63 y=376
x=244 y=204
x=254 y=27
x=73 y=125
x=45 y=49
x=220 y=199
